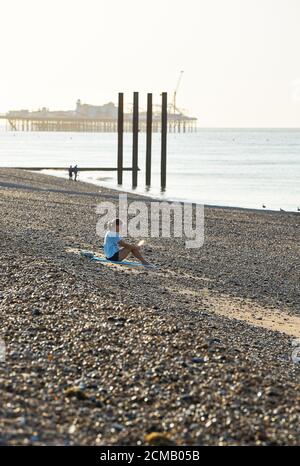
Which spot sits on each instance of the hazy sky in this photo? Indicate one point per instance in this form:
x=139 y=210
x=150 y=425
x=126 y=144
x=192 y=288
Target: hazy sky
x=241 y=58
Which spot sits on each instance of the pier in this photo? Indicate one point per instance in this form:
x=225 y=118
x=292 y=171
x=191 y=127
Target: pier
x=92 y=121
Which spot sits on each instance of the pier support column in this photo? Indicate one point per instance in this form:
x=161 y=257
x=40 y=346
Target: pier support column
x=120 y=136
x=135 y=136
x=164 y=129
x=149 y=140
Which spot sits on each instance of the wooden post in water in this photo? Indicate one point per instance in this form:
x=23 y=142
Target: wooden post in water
x=149 y=139
x=120 y=136
x=164 y=129
x=135 y=138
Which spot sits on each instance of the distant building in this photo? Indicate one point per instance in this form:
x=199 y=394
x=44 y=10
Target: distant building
x=109 y=110
x=20 y=113
x=93 y=118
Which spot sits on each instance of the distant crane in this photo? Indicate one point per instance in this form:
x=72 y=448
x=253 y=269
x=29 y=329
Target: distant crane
x=176 y=91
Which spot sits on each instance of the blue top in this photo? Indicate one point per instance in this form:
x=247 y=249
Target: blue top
x=111 y=241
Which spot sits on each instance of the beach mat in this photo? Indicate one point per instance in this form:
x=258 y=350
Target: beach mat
x=94 y=258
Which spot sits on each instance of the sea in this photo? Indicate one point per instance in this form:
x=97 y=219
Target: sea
x=248 y=168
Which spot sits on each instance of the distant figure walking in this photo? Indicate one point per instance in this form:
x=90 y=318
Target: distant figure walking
x=70 y=170
x=75 y=171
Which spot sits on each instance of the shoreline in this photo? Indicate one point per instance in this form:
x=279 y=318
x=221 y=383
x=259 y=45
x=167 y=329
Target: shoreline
x=166 y=199
x=196 y=350
x=258 y=169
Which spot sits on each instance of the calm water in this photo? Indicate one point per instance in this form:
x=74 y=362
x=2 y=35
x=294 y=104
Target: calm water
x=232 y=167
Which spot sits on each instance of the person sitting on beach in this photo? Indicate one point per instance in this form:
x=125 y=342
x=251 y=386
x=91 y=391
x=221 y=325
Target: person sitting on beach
x=70 y=170
x=116 y=249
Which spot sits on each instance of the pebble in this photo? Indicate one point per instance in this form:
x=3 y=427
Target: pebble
x=198 y=360
x=151 y=365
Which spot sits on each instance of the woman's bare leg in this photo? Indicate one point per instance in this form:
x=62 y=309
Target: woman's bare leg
x=136 y=252
x=124 y=252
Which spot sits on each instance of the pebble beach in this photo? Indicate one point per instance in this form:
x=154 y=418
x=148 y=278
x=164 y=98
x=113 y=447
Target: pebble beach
x=196 y=352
